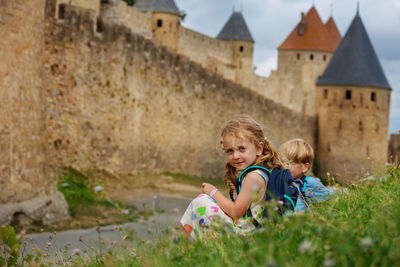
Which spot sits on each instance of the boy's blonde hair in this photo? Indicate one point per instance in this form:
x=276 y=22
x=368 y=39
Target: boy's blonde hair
x=297 y=151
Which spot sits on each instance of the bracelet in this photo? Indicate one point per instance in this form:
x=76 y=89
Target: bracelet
x=212 y=193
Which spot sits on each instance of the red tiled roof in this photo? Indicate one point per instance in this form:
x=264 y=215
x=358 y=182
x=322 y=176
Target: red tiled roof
x=311 y=34
x=333 y=33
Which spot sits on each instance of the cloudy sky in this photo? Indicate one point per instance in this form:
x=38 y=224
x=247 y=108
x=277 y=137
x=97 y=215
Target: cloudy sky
x=270 y=22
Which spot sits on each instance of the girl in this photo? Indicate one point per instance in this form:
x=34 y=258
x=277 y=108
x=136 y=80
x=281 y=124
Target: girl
x=244 y=144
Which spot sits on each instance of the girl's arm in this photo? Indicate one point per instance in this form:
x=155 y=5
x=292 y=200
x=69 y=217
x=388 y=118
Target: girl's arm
x=253 y=184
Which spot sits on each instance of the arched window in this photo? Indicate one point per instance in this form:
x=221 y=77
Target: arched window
x=324 y=57
x=159 y=23
x=298 y=56
x=241 y=48
x=312 y=57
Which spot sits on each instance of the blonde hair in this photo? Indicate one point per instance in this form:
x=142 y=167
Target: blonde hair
x=297 y=151
x=245 y=127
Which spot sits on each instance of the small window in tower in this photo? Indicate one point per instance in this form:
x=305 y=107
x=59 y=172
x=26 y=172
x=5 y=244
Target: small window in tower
x=324 y=57
x=298 y=56
x=373 y=97
x=99 y=25
x=61 y=11
x=368 y=151
x=159 y=23
x=311 y=57
x=348 y=94
x=325 y=93
x=360 y=126
x=241 y=48
x=329 y=147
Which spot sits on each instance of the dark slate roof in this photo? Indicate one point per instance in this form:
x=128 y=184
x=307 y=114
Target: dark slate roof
x=164 y=6
x=355 y=61
x=235 y=29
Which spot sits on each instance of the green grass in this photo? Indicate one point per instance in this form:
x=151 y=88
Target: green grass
x=78 y=192
x=358 y=227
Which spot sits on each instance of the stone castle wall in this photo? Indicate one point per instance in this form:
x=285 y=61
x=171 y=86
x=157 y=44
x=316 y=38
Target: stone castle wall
x=22 y=154
x=214 y=52
x=394 y=149
x=26 y=192
x=118 y=12
x=139 y=107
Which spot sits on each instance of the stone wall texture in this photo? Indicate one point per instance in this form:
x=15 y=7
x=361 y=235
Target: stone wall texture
x=22 y=150
x=394 y=149
x=24 y=173
x=120 y=102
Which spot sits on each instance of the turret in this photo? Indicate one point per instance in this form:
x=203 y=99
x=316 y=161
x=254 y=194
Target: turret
x=353 y=108
x=237 y=33
x=165 y=20
x=303 y=56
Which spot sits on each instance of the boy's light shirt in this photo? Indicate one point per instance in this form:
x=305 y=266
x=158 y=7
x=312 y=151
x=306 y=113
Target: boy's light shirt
x=315 y=191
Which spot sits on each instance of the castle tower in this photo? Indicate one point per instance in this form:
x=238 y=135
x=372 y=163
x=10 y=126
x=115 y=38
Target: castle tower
x=353 y=99
x=237 y=33
x=302 y=57
x=165 y=20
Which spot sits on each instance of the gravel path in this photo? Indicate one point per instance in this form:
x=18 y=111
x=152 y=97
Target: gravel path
x=170 y=210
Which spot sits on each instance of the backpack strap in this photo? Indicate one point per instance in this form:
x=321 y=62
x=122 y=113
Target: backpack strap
x=263 y=173
x=249 y=169
x=305 y=184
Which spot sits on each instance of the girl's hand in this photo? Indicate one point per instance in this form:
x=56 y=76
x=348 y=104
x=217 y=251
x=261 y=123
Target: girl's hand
x=207 y=188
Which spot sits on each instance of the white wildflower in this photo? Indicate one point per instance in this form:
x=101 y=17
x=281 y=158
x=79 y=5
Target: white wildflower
x=76 y=251
x=98 y=188
x=366 y=242
x=125 y=211
x=329 y=263
x=305 y=246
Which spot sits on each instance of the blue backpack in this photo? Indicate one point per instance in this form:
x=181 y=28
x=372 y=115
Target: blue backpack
x=278 y=181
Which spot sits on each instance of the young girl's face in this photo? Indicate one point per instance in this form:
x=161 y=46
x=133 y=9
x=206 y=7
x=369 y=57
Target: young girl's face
x=240 y=151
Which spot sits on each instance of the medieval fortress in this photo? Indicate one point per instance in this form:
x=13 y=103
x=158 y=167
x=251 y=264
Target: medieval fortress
x=97 y=84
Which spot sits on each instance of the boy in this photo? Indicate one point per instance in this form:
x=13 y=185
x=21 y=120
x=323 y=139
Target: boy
x=300 y=156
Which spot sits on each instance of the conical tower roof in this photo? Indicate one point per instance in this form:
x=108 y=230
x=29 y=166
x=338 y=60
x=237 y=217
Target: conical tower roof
x=163 y=6
x=333 y=32
x=355 y=61
x=309 y=34
x=235 y=29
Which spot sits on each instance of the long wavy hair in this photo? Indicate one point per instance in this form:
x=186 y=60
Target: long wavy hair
x=245 y=127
